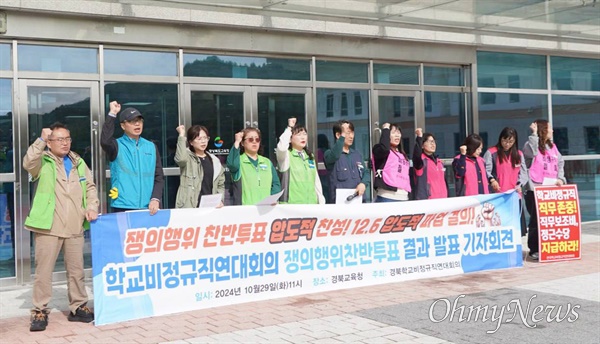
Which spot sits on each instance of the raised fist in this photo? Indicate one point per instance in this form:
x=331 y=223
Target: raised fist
x=115 y=107
x=46 y=132
x=291 y=122
x=181 y=130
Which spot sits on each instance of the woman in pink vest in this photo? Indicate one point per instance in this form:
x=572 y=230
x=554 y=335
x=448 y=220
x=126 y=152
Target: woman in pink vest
x=505 y=167
x=545 y=163
x=469 y=168
x=391 y=165
x=429 y=169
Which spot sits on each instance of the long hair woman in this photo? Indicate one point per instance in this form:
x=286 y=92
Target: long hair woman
x=545 y=163
x=505 y=167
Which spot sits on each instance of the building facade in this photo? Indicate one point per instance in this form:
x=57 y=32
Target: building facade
x=450 y=67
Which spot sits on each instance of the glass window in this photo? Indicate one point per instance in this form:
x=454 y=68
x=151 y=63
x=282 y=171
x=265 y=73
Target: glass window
x=325 y=122
x=586 y=174
x=344 y=106
x=503 y=70
x=445 y=118
x=134 y=62
x=394 y=74
x=443 y=76
x=357 y=104
x=493 y=117
x=5 y=57
x=158 y=104
x=41 y=58
x=399 y=110
x=578 y=115
x=6 y=126
x=341 y=71
x=575 y=74
x=222 y=66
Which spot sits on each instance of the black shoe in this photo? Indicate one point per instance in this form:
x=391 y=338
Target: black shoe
x=534 y=256
x=39 y=321
x=82 y=314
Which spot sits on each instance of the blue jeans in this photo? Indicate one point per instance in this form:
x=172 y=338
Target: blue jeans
x=380 y=199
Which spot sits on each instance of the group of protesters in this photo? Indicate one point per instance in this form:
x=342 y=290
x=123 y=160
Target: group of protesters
x=66 y=199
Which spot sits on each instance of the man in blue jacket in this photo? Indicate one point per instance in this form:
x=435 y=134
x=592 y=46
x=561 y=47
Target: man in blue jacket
x=136 y=172
x=345 y=165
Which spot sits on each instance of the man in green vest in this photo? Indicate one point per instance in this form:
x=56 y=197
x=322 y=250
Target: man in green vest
x=65 y=201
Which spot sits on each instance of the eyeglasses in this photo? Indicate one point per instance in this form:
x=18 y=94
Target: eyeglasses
x=62 y=140
x=253 y=139
x=202 y=139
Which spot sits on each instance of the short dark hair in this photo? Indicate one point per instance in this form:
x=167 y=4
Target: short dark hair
x=58 y=125
x=337 y=126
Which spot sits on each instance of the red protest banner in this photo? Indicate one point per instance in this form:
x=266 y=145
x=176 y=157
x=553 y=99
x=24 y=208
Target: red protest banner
x=559 y=222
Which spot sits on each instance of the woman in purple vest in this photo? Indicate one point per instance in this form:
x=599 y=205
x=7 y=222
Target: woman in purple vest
x=391 y=164
x=505 y=167
x=429 y=169
x=469 y=168
x=545 y=163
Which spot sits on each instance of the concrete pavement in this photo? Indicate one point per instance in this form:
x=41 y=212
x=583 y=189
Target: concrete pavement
x=566 y=295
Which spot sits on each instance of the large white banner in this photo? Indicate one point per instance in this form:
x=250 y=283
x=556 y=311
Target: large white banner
x=188 y=259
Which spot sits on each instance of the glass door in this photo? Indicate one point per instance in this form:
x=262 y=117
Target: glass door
x=271 y=108
x=43 y=103
x=225 y=110
x=397 y=107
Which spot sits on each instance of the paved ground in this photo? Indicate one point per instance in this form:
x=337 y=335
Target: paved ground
x=563 y=300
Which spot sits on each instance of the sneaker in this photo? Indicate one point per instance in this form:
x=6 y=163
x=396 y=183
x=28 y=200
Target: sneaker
x=82 y=314
x=534 y=256
x=39 y=321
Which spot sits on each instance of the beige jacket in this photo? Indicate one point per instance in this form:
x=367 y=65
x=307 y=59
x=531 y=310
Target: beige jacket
x=68 y=213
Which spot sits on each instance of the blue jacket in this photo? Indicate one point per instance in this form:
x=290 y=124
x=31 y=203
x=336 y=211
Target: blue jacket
x=346 y=170
x=132 y=173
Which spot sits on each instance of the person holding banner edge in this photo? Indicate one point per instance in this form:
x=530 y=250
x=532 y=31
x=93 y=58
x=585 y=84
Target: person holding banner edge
x=298 y=167
x=65 y=201
x=254 y=176
x=505 y=167
x=201 y=173
x=544 y=162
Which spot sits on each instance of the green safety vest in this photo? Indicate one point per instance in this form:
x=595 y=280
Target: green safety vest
x=299 y=181
x=41 y=214
x=256 y=181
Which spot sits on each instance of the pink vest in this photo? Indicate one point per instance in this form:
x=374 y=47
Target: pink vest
x=432 y=176
x=470 y=180
x=544 y=165
x=395 y=171
x=506 y=172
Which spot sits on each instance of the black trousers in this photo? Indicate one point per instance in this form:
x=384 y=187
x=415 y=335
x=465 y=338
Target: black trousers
x=533 y=238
